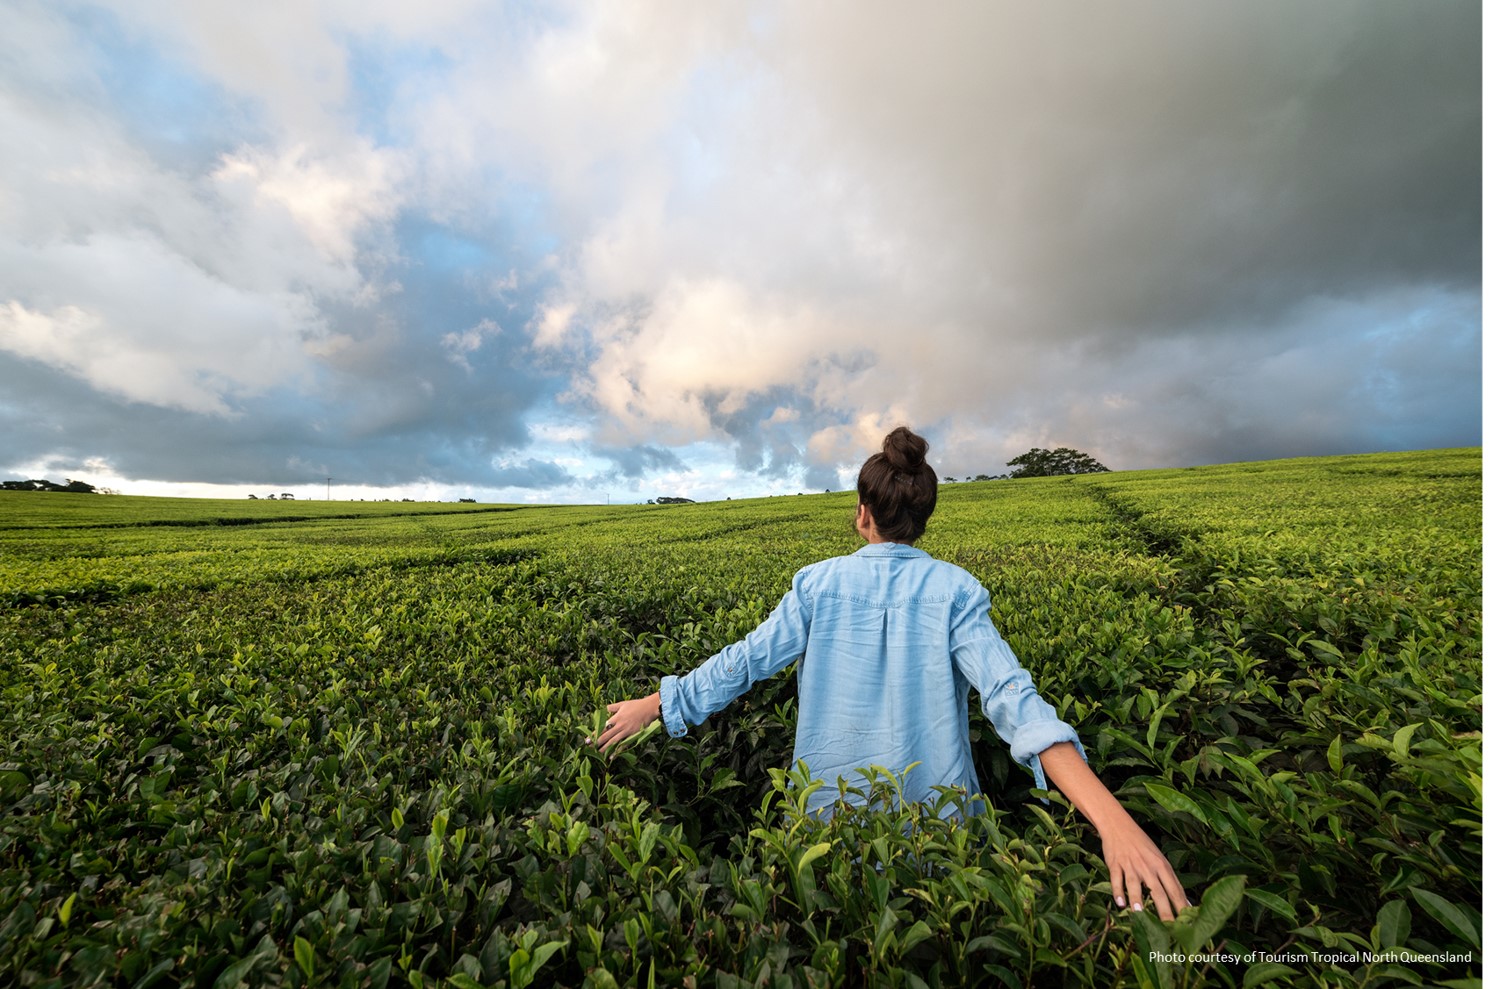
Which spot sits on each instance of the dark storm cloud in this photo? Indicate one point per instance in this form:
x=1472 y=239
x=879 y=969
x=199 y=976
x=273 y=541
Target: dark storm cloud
x=1010 y=204
x=1358 y=168
x=635 y=462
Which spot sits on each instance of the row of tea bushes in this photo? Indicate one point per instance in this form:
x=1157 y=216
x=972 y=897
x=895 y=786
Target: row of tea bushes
x=372 y=770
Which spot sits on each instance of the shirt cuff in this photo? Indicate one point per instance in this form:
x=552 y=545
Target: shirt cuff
x=671 y=713
x=1032 y=740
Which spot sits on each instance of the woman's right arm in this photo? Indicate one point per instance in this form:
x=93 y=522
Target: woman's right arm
x=775 y=644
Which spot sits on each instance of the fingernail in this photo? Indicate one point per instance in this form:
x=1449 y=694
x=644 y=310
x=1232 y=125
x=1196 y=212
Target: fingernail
x=1120 y=900
x=1136 y=906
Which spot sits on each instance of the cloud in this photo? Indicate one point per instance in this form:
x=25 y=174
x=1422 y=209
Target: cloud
x=1037 y=199
x=244 y=309
x=331 y=201
x=167 y=287
x=460 y=344
x=551 y=325
x=531 y=473
x=218 y=343
x=387 y=242
x=635 y=461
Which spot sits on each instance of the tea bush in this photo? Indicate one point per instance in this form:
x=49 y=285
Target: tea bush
x=313 y=750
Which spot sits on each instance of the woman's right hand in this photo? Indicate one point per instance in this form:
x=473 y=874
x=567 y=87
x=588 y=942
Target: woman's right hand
x=626 y=719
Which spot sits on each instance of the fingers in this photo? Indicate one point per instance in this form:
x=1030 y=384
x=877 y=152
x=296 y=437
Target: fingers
x=1132 y=878
x=1158 y=898
x=617 y=729
x=612 y=731
x=612 y=734
x=1168 y=894
x=626 y=719
x=1167 y=901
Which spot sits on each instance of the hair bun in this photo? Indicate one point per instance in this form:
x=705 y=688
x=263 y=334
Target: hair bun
x=905 y=450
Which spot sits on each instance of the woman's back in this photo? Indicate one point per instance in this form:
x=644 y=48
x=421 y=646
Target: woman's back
x=877 y=684
x=894 y=641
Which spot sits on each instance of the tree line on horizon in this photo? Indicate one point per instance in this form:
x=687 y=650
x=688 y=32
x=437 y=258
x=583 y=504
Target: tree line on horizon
x=39 y=484
x=1037 y=462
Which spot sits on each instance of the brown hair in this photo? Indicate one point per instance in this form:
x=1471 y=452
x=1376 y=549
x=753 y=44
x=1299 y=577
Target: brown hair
x=899 y=487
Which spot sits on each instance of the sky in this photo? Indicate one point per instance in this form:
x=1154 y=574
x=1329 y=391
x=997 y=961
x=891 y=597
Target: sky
x=608 y=251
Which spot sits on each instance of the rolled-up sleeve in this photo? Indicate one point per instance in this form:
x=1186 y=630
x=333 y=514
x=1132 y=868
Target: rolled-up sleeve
x=1007 y=695
x=775 y=644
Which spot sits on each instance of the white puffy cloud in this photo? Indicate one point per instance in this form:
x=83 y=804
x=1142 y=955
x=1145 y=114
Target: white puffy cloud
x=213 y=343
x=164 y=285
x=332 y=202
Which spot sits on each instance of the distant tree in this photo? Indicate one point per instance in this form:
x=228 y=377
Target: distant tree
x=949 y=480
x=253 y=498
x=38 y=484
x=466 y=501
x=1054 y=463
x=287 y=496
x=663 y=500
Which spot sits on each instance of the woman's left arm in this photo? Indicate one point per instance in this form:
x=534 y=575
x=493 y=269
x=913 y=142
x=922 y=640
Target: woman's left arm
x=1131 y=856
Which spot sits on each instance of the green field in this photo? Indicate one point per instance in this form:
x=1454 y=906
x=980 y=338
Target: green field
x=341 y=743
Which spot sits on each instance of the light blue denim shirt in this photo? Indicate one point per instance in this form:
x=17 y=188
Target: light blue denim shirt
x=890 y=642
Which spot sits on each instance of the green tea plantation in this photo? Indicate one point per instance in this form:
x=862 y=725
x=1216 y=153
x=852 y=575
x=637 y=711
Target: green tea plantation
x=342 y=744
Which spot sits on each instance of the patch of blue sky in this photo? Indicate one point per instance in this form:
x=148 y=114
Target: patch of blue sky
x=1423 y=376
x=386 y=74
x=452 y=279
x=700 y=167
x=166 y=105
x=510 y=219
x=526 y=212
x=442 y=249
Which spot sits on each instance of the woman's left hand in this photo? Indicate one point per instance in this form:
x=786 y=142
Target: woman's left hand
x=1133 y=859
x=1134 y=862
x=627 y=718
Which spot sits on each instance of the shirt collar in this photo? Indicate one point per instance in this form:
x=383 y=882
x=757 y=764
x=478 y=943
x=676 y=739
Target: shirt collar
x=889 y=549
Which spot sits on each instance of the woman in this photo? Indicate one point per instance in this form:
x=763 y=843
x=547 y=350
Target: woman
x=890 y=643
